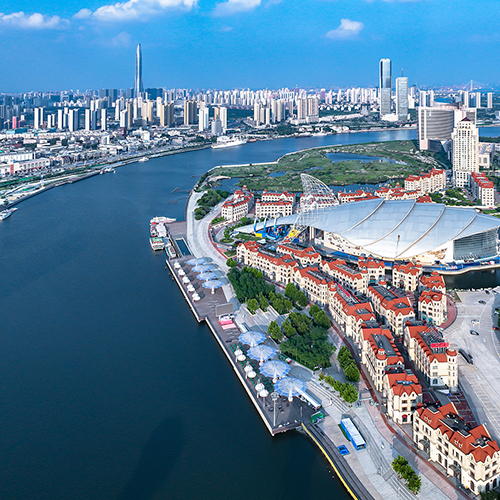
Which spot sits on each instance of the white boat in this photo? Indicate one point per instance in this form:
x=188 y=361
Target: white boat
x=7 y=213
x=156 y=244
x=227 y=142
x=144 y=158
x=161 y=220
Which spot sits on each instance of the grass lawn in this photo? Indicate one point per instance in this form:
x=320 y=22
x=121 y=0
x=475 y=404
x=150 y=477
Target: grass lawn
x=315 y=162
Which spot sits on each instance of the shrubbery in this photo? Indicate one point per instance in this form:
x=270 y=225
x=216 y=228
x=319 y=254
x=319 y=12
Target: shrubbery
x=404 y=470
x=347 y=391
x=248 y=283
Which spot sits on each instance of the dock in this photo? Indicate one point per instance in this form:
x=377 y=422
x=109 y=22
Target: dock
x=279 y=416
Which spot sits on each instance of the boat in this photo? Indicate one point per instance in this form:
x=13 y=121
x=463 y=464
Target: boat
x=164 y=220
x=157 y=243
x=227 y=142
x=144 y=158
x=7 y=213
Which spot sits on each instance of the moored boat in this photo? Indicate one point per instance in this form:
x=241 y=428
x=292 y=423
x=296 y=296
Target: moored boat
x=7 y=213
x=157 y=243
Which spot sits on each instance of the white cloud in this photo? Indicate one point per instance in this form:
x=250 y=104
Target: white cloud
x=123 y=39
x=31 y=21
x=235 y=6
x=83 y=14
x=226 y=29
x=135 y=9
x=347 y=29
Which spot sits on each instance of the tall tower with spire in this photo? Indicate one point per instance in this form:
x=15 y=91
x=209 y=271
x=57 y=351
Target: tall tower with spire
x=138 y=86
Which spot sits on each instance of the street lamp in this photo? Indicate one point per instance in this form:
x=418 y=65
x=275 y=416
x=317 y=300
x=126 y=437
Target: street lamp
x=274 y=396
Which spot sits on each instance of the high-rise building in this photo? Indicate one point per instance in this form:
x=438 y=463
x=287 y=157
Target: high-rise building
x=90 y=119
x=466 y=99
x=73 y=120
x=190 y=111
x=223 y=118
x=385 y=86
x=465 y=139
x=489 y=98
x=402 y=98
x=104 y=119
x=138 y=86
x=435 y=125
x=38 y=118
x=478 y=100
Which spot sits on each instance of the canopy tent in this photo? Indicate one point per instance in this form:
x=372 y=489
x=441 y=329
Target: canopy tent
x=196 y=262
x=261 y=352
x=290 y=386
x=275 y=369
x=252 y=338
x=201 y=268
x=212 y=284
x=208 y=275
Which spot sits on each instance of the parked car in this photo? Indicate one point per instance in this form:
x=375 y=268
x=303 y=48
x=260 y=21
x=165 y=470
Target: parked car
x=481 y=302
x=473 y=332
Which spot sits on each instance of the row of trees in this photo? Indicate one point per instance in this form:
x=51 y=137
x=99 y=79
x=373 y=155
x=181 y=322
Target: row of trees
x=405 y=471
x=296 y=295
x=348 y=364
x=209 y=199
x=348 y=392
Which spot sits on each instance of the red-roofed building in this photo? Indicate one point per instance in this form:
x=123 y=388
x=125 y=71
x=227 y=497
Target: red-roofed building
x=306 y=256
x=403 y=393
x=432 y=356
x=279 y=268
x=433 y=282
x=466 y=452
x=352 y=279
x=379 y=354
x=358 y=195
x=406 y=275
x=349 y=312
x=314 y=283
x=273 y=209
x=482 y=188
x=395 y=311
x=428 y=182
x=374 y=268
x=432 y=307
x=273 y=196
x=397 y=193
x=238 y=205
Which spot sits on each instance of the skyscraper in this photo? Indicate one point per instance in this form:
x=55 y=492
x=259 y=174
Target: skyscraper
x=385 y=86
x=138 y=86
x=465 y=160
x=402 y=98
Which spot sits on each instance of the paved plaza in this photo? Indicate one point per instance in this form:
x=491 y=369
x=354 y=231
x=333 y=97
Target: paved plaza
x=480 y=381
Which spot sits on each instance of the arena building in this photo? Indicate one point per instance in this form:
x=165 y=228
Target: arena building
x=399 y=230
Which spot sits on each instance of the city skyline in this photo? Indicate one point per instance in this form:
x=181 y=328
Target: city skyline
x=230 y=44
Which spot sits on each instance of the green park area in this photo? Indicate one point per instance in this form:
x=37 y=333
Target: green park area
x=393 y=160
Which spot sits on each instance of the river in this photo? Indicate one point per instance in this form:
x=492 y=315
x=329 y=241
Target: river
x=109 y=388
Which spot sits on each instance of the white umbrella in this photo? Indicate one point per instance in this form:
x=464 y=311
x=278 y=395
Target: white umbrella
x=248 y=368
x=252 y=338
x=190 y=288
x=259 y=387
x=261 y=352
x=275 y=369
x=238 y=352
x=186 y=280
x=290 y=386
x=196 y=296
x=241 y=357
x=181 y=272
x=251 y=374
x=264 y=393
x=177 y=265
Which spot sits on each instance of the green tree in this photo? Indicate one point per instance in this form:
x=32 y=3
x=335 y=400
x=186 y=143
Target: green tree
x=415 y=483
x=231 y=263
x=264 y=304
x=288 y=304
x=352 y=373
x=291 y=291
x=275 y=331
x=288 y=329
x=302 y=299
x=349 y=393
x=252 y=305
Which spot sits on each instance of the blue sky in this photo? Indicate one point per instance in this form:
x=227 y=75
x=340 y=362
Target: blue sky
x=70 y=44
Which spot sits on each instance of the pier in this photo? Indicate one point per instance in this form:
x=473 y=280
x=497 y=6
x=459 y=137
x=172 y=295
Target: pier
x=279 y=416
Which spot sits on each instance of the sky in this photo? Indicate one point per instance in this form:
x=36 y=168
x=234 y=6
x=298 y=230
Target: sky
x=202 y=44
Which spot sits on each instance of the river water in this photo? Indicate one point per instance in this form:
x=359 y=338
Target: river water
x=109 y=388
